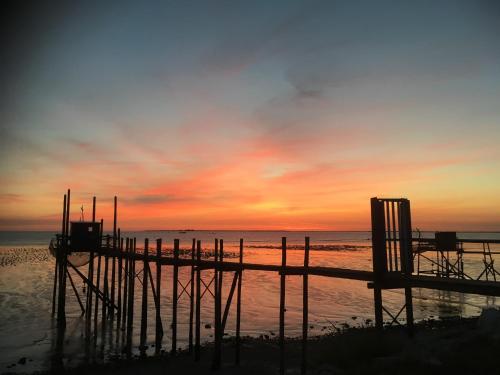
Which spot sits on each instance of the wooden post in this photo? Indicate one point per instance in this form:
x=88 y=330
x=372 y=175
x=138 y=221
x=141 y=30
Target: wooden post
x=113 y=281
x=221 y=273
x=120 y=275
x=191 y=297
x=59 y=256
x=221 y=259
x=144 y=314
x=175 y=282
x=90 y=276
x=113 y=265
x=126 y=282
x=379 y=257
x=130 y=308
x=217 y=312
x=238 y=306
x=98 y=282
x=105 y=287
x=282 y=306
x=305 y=307
x=159 y=326
x=406 y=256
x=61 y=305
x=58 y=247
x=198 y=303
x=54 y=289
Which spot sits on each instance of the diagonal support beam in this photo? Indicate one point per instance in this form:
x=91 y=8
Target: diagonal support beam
x=207 y=288
x=99 y=294
x=76 y=292
x=228 y=303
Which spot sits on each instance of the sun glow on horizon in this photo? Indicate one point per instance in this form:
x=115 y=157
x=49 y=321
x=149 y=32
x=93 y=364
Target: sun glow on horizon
x=211 y=116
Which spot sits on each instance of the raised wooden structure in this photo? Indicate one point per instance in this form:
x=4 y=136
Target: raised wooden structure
x=393 y=261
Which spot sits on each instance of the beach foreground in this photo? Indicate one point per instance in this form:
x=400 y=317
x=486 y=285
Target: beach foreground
x=459 y=346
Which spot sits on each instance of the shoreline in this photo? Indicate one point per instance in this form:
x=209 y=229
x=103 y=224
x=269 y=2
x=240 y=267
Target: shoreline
x=458 y=345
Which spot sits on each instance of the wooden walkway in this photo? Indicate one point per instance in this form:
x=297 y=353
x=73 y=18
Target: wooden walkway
x=115 y=266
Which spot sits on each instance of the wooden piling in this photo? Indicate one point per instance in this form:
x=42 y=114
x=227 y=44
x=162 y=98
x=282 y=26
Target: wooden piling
x=221 y=259
x=379 y=256
x=217 y=310
x=282 y=306
x=191 y=298
x=126 y=280
x=119 y=287
x=90 y=276
x=130 y=307
x=144 y=314
x=54 y=289
x=62 y=254
x=238 y=306
x=305 y=307
x=175 y=282
x=221 y=274
x=57 y=247
x=158 y=326
x=113 y=264
x=112 y=286
x=98 y=282
x=198 y=303
x=105 y=287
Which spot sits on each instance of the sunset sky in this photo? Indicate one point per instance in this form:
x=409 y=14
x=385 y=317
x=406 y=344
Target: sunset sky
x=251 y=114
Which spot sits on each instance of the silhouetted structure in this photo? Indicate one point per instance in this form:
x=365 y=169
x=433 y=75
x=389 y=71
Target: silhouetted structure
x=393 y=261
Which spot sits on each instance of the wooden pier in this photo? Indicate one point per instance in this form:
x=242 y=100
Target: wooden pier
x=118 y=264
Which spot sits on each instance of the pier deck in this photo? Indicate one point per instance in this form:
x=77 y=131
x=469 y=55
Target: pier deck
x=116 y=264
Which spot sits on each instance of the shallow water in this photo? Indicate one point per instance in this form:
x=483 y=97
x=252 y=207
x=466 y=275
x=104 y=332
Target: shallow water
x=26 y=275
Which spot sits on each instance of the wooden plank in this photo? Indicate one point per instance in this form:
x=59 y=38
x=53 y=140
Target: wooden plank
x=487 y=288
x=343 y=273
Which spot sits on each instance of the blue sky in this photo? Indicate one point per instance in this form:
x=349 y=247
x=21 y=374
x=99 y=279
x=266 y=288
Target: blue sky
x=361 y=98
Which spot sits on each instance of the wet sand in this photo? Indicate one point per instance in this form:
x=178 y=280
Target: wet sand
x=458 y=346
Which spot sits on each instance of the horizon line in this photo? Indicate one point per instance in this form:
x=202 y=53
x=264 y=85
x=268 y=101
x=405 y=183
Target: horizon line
x=255 y=230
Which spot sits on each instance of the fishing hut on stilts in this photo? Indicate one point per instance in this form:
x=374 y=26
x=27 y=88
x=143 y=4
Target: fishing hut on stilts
x=116 y=266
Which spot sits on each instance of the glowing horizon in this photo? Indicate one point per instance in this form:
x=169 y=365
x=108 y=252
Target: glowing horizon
x=252 y=115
